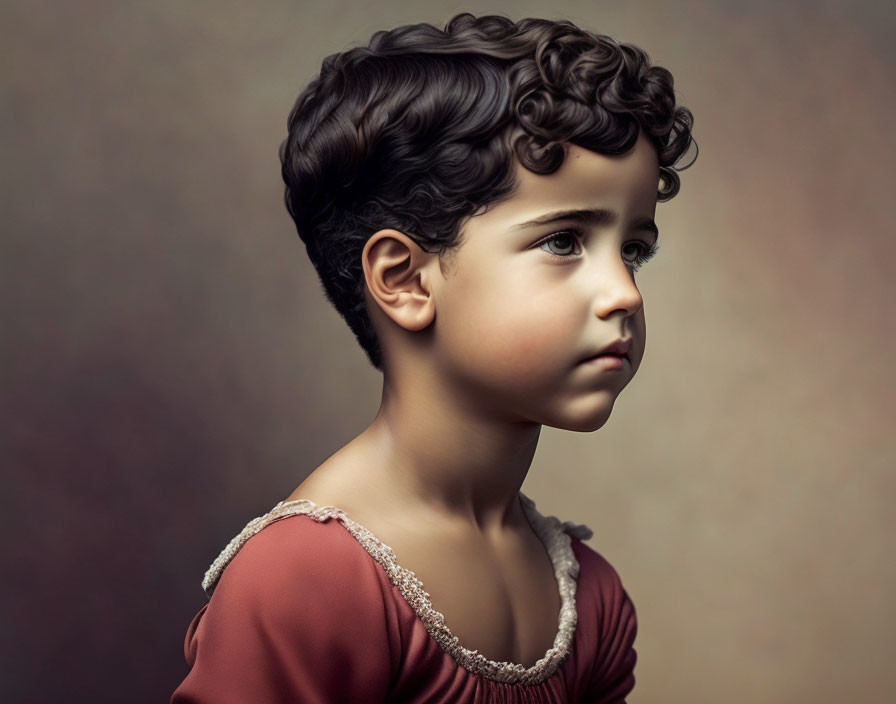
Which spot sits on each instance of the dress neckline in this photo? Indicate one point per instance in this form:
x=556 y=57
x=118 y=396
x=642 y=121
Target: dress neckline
x=554 y=535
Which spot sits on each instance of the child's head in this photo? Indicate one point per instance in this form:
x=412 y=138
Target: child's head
x=423 y=129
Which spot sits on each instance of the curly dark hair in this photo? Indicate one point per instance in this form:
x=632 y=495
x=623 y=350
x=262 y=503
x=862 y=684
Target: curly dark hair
x=411 y=133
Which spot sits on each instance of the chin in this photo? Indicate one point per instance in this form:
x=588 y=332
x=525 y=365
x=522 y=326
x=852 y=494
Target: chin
x=588 y=427
x=585 y=421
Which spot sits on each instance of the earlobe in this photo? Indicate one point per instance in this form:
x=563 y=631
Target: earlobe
x=396 y=273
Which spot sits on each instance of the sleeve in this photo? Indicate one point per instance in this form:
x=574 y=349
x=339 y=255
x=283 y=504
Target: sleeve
x=612 y=677
x=297 y=615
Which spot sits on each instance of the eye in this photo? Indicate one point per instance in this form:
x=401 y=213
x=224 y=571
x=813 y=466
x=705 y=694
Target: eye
x=563 y=240
x=640 y=253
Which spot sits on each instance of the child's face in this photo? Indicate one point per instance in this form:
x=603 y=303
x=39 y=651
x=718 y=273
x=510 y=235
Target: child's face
x=513 y=323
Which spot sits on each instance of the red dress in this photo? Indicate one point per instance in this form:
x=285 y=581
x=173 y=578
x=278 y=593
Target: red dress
x=314 y=608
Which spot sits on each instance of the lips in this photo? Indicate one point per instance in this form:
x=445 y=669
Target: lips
x=619 y=348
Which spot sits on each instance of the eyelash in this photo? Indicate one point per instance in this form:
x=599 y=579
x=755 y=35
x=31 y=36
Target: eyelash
x=646 y=254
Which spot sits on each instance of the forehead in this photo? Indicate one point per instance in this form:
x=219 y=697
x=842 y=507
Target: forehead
x=626 y=184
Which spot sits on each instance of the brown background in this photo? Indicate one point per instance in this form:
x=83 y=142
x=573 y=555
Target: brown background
x=171 y=369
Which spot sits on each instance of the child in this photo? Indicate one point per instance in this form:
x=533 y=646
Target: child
x=476 y=202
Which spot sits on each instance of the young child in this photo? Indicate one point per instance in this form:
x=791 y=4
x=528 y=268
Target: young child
x=476 y=202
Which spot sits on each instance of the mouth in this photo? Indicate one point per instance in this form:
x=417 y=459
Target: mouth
x=618 y=350
x=608 y=361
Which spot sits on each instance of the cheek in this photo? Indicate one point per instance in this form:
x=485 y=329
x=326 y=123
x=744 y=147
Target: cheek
x=511 y=331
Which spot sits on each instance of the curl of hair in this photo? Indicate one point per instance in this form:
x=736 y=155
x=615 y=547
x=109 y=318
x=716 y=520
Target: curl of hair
x=411 y=133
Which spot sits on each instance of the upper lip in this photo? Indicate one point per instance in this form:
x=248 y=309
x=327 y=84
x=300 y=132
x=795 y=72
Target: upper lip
x=619 y=347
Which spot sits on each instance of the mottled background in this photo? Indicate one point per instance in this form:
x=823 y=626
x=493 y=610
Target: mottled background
x=171 y=368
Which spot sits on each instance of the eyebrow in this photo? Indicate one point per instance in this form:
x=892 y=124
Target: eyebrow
x=593 y=216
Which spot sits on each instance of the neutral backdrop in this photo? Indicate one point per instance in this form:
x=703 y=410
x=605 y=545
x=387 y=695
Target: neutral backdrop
x=171 y=368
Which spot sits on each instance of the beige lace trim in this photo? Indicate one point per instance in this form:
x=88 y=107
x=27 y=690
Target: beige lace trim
x=555 y=536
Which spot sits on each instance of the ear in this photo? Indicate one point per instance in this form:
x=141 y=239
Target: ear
x=397 y=273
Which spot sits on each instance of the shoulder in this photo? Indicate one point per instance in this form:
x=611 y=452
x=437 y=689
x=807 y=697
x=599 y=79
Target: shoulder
x=291 y=552
x=296 y=612
x=601 y=589
x=600 y=595
x=606 y=624
x=609 y=620
x=597 y=580
x=596 y=575
x=306 y=579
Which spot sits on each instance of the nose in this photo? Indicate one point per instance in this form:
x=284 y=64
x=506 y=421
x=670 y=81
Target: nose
x=616 y=291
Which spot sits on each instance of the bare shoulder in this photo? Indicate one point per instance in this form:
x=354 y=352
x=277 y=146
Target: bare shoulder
x=373 y=508
x=341 y=484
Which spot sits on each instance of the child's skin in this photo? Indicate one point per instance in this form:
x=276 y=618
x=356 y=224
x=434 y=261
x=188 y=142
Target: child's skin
x=481 y=350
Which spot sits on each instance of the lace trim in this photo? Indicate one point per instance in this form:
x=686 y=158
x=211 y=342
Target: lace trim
x=556 y=537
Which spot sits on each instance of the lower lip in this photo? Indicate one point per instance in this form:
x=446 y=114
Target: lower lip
x=607 y=361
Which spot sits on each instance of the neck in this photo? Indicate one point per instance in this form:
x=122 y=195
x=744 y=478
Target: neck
x=452 y=459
